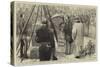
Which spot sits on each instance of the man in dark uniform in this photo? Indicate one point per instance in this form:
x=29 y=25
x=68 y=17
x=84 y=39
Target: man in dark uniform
x=68 y=36
x=45 y=37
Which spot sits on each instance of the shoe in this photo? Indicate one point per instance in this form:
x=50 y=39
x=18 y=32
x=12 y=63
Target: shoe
x=77 y=57
x=55 y=58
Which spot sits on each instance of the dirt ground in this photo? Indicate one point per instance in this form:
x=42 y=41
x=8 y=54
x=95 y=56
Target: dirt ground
x=62 y=58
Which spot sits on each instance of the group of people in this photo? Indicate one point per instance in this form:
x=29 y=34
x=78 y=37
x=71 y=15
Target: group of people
x=73 y=36
x=45 y=36
x=73 y=33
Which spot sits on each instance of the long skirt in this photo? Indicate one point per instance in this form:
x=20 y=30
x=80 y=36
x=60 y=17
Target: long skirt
x=44 y=53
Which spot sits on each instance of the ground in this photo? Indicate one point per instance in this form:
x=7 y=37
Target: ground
x=62 y=58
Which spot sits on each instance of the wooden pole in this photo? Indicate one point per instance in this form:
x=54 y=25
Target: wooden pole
x=23 y=30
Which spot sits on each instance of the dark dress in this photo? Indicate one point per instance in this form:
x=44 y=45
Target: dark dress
x=45 y=35
x=68 y=37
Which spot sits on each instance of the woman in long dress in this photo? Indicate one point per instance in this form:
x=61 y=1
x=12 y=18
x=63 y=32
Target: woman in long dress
x=78 y=36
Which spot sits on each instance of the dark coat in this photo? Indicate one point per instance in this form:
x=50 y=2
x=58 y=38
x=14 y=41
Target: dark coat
x=45 y=35
x=68 y=31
